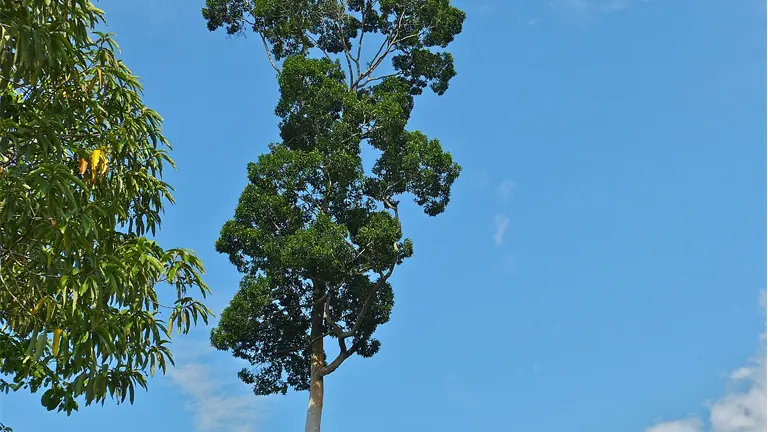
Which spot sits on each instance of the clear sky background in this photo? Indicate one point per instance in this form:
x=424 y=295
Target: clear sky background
x=599 y=269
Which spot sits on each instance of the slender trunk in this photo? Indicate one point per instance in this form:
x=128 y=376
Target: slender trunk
x=315 y=409
x=316 y=387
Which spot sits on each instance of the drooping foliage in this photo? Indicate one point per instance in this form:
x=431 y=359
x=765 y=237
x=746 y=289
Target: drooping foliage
x=315 y=235
x=81 y=160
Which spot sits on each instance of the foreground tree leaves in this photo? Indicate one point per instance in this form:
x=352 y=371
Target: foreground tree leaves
x=315 y=235
x=80 y=164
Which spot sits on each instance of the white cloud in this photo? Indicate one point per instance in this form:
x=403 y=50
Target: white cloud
x=741 y=409
x=689 y=425
x=501 y=222
x=218 y=401
x=504 y=189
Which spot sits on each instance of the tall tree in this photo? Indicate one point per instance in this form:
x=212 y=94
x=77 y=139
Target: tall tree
x=315 y=235
x=80 y=189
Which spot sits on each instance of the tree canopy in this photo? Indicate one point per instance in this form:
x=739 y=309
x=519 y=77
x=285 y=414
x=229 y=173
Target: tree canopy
x=81 y=159
x=316 y=236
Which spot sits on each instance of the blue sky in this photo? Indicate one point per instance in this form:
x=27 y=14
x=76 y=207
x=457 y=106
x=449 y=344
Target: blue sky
x=602 y=264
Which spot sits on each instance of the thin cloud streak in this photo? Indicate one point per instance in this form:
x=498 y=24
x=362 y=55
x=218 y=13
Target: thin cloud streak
x=501 y=222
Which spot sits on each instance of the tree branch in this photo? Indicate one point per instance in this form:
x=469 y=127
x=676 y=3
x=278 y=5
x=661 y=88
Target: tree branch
x=9 y=250
x=344 y=352
x=331 y=367
x=362 y=34
x=294 y=349
x=269 y=53
x=383 y=77
x=334 y=325
x=383 y=277
x=314 y=42
x=389 y=42
x=340 y=31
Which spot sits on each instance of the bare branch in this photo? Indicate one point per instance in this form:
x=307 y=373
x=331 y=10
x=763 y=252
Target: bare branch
x=314 y=42
x=383 y=277
x=321 y=300
x=269 y=53
x=362 y=34
x=336 y=328
x=390 y=43
x=340 y=31
x=340 y=359
x=328 y=318
x=383 y=77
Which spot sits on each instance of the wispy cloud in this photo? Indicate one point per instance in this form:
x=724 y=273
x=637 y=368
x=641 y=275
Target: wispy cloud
x=218 y=401
x=580 y=9
x=504 y=189
x=741 y=409
x=501 y=222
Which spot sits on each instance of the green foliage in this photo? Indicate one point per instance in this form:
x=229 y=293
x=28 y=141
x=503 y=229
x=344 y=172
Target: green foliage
x=411 y=28
x=80 y=164
x=316 y=237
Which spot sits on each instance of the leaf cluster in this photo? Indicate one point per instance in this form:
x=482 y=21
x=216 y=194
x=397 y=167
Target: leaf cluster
x=81 y=160
x=412 y=30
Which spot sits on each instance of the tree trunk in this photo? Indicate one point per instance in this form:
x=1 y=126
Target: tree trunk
x=315 y=409
x=316 y=388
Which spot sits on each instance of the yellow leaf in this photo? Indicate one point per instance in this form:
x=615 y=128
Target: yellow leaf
x=95 y=159
x=56 y=341
x=99 y=163
x=83 y=166
x=38 y=306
